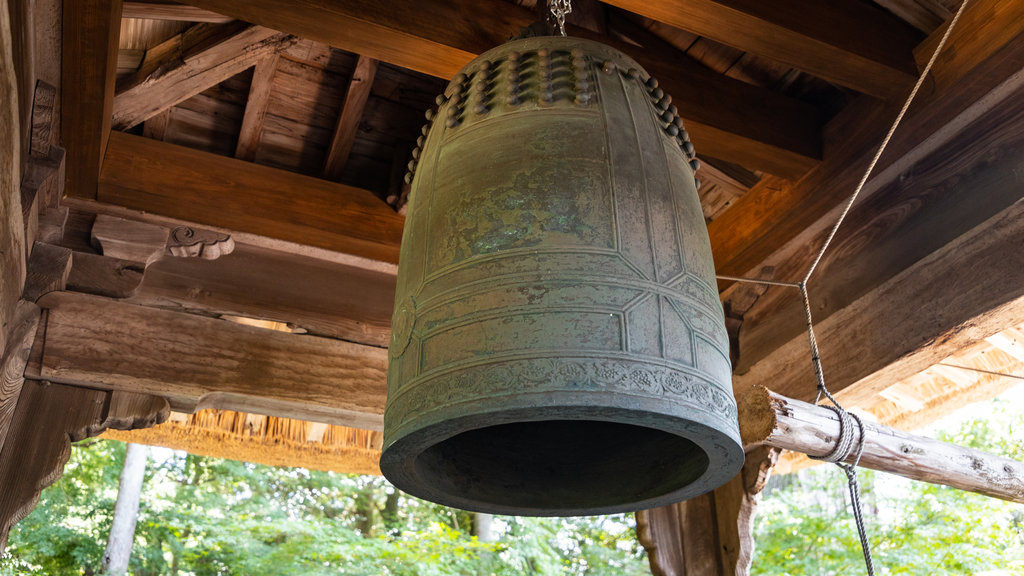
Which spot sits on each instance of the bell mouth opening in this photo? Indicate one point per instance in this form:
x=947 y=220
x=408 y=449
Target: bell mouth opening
x=560 y=467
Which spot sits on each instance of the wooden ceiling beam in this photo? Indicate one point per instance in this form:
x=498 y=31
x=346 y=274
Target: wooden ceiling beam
x=352 y=107
x=745 y=124
x=211 y=190
x=777 y=211
x=941 y=190
x=965 y=291
x=90 y=33
x=189 y=63
x=198 y=362
x=846 y=42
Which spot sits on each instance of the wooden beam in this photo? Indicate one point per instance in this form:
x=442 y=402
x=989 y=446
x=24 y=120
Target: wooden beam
x=211 y=190
x=775 y=213
x=927 y=200
x=968 y=290
x=165 y=11
x=12 y=222
x=352 y=106
x=198 y=362
x=334 y=300
x=190 y=63
x=770 y=419
x=13 y=360
x=256 y=108
x=47 y=419
x=846 y=42
x=91 y=31
x=744 y=124
x=712 y=534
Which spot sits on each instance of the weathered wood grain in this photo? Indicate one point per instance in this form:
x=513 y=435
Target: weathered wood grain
x=198 y=362
x=846 y=42
x=90 y=35
x=969 y=289
x=256 y=108
x=22 y=331
x=712 y=534
x=47 y=419
x=193 y=62
x=334 y=300
x=223 y=192
x=358 y=92
x=769 y=419
x=768 y=217
x=129 y=240
x=12 y=225
x=743 y=123
x=48 y=269
x=44 y=119
x=927 y=203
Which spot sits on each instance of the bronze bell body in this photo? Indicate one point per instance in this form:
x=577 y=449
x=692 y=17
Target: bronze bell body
x=558 y=345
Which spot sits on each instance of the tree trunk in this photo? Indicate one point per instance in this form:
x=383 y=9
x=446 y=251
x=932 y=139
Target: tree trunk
x=126 y=511
x=483 y=528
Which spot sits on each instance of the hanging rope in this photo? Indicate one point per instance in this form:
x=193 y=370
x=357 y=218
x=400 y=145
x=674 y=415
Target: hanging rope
x=845 y=440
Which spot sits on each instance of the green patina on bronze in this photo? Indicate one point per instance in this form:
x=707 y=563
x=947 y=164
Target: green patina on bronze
x=558 y=346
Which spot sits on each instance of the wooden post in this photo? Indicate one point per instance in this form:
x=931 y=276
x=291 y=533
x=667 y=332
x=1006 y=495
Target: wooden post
x=769 y=419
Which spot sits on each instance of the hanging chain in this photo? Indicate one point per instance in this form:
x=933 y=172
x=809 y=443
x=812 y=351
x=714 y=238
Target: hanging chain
x=559 y=10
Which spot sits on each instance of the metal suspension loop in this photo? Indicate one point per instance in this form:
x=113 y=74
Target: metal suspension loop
x=559 y=9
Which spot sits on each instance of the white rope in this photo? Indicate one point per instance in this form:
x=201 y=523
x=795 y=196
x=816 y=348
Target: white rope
x=844 y=442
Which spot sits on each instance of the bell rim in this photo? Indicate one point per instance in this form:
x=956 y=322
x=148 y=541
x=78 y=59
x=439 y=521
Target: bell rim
x=705 y=430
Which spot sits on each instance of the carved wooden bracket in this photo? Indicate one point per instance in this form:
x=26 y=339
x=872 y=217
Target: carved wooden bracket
x=186 y=242
x=47 y=419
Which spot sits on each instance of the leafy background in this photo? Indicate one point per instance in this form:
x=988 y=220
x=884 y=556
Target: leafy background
x=204 y=516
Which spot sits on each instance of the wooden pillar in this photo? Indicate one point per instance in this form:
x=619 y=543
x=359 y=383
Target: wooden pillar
x=712 y=534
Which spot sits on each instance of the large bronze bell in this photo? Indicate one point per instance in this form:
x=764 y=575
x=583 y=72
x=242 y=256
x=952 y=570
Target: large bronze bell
x=558 y=345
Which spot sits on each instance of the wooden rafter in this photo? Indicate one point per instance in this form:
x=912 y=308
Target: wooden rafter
x=352 y=107
x=743 y=123
x=198 y=362
x=845 y=41
x=207 y=189
x=256 y=108
x=190 y=63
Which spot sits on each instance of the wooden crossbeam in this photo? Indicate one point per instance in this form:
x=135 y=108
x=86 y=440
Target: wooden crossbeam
x=198 y=362
x=744 y=124
x=352 y=106
x=773 y=214
x=969 y=289
x=212 y=190
x=940 y=191
x=190 y=63
x=844 y=41
x=256 y=108
x=90 y=33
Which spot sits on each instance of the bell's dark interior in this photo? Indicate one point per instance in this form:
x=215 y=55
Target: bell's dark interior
x=561 y=464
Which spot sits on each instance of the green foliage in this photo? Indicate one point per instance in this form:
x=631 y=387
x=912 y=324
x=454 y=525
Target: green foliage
x=804 y=526
x=204 y=517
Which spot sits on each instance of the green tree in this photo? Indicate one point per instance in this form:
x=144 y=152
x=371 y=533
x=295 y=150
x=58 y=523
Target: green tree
x=203 y=516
